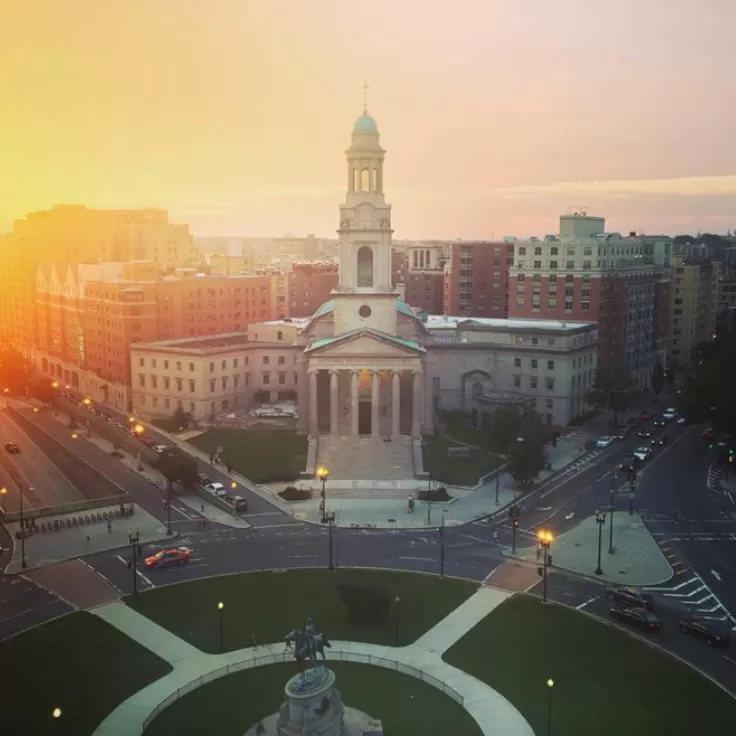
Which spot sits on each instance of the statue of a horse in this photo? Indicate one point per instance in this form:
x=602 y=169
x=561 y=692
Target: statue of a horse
x=305 y=647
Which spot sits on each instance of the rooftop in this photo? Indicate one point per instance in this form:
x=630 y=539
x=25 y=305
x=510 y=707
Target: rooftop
x=444 y=322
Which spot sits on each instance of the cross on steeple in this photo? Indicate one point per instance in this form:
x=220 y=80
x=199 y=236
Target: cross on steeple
x=365 y=97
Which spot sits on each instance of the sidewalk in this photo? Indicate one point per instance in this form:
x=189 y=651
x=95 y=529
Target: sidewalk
x=491 y=711
x=637 y=559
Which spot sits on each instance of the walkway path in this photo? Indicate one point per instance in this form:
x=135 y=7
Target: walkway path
x=493 y=713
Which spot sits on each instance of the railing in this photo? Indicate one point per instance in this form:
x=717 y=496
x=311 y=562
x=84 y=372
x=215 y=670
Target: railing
x=283 y=658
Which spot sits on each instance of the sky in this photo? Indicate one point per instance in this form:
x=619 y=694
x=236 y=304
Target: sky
x=497 y=115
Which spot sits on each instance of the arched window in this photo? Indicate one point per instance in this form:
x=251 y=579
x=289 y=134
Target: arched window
x=365 y=180
x=477 y=390
x=365 y=266
x=356 y=181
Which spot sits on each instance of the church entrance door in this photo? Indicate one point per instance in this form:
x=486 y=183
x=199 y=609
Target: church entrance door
x=364 y=417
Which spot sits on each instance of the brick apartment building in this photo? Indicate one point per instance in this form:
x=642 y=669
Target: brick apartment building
x=309 y=286
x=424 y=280
x=586 y=274
x=477 y=279
x=88 y=316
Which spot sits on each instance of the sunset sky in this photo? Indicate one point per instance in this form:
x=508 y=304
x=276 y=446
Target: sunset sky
x=497 y=115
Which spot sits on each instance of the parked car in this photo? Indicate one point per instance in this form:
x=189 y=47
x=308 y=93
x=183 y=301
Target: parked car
x=160 y=449
x=639 y=617
x=670 y=413
x=712 y=635
x=627 y=596
x=642 y=453
x=659 y=441
x=169 y=558
x=604 y=441
x=217 y=488
x=204 y=479
x=238 y=502
x=12 y=447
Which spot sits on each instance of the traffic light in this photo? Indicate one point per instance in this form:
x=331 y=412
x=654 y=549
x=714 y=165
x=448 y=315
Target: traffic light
x=516 y=523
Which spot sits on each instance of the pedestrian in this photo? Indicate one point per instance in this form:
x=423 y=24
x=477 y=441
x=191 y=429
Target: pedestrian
x=253 y=641
x=229 y=469
x=109 y=526
x=88 y=540
x=495 y=536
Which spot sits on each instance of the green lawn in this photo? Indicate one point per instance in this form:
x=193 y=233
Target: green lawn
x=262 y=456
x=456 y=471
x=605 y=682
x=404 y=704
x=270 y=604
x=466 y=433
x=77 y=663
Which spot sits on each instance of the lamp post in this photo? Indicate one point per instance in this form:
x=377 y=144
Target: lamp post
x=23 y=562
x=138 y=430
x=56 y=715
x=600 y=519
x=3 y=493
x=429 y=499
x=632 y=496
x=442 y=546
x=330 y=533
x=169 y=492
x=397 y=601
x=545 y=540
x=221 y=609
x=498 y=479
x=54 y=387
x=322 y=473
x=611 y=550
x=134 y=540
x=550 y=685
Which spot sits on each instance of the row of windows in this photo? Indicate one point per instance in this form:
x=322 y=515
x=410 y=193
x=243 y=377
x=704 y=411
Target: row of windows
x=534 y=382
x=281 y=380
x=552 y=304
x=551 y=290
x=534 y=363
x=552 y=278
x=266 y=360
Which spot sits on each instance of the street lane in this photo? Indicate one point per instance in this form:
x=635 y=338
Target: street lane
x=49 y=485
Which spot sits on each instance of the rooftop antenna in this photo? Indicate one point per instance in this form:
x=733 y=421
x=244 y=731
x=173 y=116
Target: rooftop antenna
x=365 y=98
x=584 y=210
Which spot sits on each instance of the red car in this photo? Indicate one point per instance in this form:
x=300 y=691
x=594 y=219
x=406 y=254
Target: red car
x=169 y=557
x=645 y=416
x=709 y=435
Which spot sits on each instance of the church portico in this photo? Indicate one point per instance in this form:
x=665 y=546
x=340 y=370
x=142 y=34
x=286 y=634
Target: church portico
x=381 y=400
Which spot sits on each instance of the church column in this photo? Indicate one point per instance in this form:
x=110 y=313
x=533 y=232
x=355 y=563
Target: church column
x=354 y=403
x=333 y=401
x=395 y=403
x=416 y=406
x=375 y=414
x=313 y=408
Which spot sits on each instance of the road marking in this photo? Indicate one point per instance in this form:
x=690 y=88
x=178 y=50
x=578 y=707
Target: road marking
x=264 y=513
x=278 y=526
x=423 y=559
x=710 y=610
x=307 y=557
x=138 y=572
x=715 y=575
x=475 y=539
x=687 y=595
x=569 y=516
x=184 y=513
x=698 y=603
x=587 y=603
x=725 y=656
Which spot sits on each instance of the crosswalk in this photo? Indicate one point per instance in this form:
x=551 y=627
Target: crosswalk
x=698 y=599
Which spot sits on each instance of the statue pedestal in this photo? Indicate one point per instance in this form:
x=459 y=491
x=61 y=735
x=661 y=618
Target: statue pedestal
x=313 y=707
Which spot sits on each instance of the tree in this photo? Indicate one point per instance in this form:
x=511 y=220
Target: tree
x=611 y=391
x=503 y=427
x=526 y=460
x=15 y=371
x=181 y=418
x=657 y=378
x=42 y=389
x=177 y=467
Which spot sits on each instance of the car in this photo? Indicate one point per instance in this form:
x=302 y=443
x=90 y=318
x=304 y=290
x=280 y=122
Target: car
x=645 y=433
x=169 y=558
x=642 y=453
x=622 y=432
x=660 y=422
x=628 y=596
x=640 y=617
x=708 y=434
x=724 y=439
x=646 y=415
x=12 y=447
x=681 y=419
x=604 y=441
x=217 y=488
x=204 y=479
x=630 y=464
x=160 y=449
x=704 y=630
x=238 y=502
x=669 y=414
x=659 y=441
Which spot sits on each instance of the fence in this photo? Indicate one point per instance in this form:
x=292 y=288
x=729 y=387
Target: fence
x=121 y=499
x=283 y=658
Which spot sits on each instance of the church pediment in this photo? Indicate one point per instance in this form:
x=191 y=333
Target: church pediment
x=365 y=342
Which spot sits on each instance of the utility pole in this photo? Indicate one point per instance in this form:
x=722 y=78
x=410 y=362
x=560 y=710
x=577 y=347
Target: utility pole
x=169 y=489
x=429 y=500
x=514 y=513
x=330 y=532
x=632 y=496
x=498 y=478
x=442 y=547
x=23 y=562
x=134 y=540
x=611 y=550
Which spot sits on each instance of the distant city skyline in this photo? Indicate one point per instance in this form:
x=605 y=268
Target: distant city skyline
x=497 y=117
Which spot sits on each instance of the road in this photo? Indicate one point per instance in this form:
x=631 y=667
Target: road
x=49 y=486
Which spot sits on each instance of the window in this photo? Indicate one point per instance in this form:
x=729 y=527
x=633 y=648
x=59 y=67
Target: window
x=522 y=250
x=550 y=384
x=141 y=362
x=520 y=289
x=477 y=390
x=538 y=251
x=520 y=303
x=517 y=362
x=553 y=278
x=533 y=381
x=191 y=407
x=235 y=362
x=585 y=306
x=166 y=365
x=554 y=250
x=178 y=365
x=212 y=367
x=570 y=250
x=154 y=400
x=212 y=385
x=167 y=403
x=247 y=379
x=245 y=360
x=167 y=381
x=191 y=367
x=569 y=279
x=552 y=265
x=178 y=384
x=588 y=250
x=154 y=381
x=153 y=362
x=586 y=265
x=586 y=278
x=224 y=364
x=521 y=277
x=550 y=365
x=266 y=378
x=534 y=363
x=552 y=304
x=551 y=342
x=537 y=265
x=282 y=360
x=535 y=341
x=586 y=291
x=279 y=335
x=550 y=403
x=265 y=360
x=192 y=385
x=570 y=265
x=282 y=378
x=224 y=383
x=517 y=381
x=142 y=381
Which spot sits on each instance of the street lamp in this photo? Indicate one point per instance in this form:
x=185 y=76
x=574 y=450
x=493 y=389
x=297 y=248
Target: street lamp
x=54 y=386
x=3 y=493
x=429 y=499
x=550 y=685
x=322 y=473
x=23 y=562
x=545 y=540
x=397 y=601
x=611 y=550
x=600 y=519
x=442 y=544
x=221 y=609
x=134 y=540
x=169 y=494
x=87 y=401
x=56 y=714
x=330 y=533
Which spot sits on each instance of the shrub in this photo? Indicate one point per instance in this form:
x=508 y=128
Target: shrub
x=436 y=494
x=292 y=493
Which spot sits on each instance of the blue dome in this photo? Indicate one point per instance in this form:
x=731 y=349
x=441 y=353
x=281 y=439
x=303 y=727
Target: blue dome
x=365 y=124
